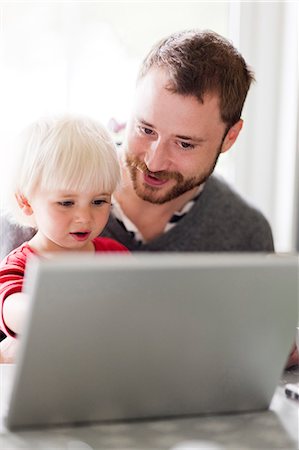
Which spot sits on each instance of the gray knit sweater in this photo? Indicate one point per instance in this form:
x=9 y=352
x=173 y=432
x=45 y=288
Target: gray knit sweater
x=220 y=220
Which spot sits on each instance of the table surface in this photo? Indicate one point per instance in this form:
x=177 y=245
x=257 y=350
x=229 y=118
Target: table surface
x=276 y=428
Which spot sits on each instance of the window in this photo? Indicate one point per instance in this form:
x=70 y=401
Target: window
x=83 y=57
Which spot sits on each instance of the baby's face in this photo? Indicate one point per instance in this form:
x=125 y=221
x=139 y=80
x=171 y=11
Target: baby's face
x=69 y=220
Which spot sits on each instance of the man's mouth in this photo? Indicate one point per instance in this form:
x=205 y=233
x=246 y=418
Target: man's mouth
x=80 y=235
x=154 y=181
x=151 y=178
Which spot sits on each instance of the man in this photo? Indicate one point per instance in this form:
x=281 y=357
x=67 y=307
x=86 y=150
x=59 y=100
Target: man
x=189 y=97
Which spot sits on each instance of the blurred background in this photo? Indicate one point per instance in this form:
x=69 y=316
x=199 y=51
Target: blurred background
x=83 y=57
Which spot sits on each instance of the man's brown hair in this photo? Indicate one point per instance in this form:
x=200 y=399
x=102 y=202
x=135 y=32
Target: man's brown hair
x=201 y=62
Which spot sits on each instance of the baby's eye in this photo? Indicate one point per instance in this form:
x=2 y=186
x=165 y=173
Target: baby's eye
x=66 y=203
x=98 y=202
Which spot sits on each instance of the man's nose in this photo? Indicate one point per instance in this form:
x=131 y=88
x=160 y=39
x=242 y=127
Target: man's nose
x=156 y=157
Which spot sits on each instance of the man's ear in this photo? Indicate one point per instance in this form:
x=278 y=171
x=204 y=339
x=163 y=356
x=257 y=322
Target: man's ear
x=231 y=136
x=24 y=204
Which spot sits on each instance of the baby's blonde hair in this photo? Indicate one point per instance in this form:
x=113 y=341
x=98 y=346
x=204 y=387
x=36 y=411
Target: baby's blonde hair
x=64 y=153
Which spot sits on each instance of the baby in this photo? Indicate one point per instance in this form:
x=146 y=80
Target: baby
x=67 y=171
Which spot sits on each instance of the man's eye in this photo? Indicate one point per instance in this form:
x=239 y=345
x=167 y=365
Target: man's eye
x=146 y=130
x=186 y=145
x=66 y=203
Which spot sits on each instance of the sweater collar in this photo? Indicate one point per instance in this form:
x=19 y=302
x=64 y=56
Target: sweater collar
x=131 y=228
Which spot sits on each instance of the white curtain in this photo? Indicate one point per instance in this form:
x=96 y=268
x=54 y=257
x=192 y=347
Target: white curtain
x=81 y=57
x=266 y=160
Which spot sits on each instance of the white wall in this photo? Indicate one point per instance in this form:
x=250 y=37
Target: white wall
x=265 y=164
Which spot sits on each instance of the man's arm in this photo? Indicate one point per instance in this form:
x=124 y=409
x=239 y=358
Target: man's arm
x=293 y=359
x=12 y=235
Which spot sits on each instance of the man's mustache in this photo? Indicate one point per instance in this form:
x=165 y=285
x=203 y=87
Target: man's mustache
x=159 y=175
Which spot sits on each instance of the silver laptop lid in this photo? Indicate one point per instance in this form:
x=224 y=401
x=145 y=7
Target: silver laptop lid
x=124 y=337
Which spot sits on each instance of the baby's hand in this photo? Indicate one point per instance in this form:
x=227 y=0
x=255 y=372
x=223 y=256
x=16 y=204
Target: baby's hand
x=8 y=350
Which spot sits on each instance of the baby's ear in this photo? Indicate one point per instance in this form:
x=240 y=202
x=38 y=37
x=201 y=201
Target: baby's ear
x=24 y=204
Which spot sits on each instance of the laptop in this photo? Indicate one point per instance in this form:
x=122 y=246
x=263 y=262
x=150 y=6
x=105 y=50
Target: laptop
x=124 y=337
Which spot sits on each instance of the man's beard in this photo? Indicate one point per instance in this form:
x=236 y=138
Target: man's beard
x=151 y=193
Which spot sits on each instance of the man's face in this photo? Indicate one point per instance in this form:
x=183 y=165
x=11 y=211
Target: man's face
x=172 y=141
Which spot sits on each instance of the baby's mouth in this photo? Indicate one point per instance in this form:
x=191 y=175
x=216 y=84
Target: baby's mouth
x=80 y=235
